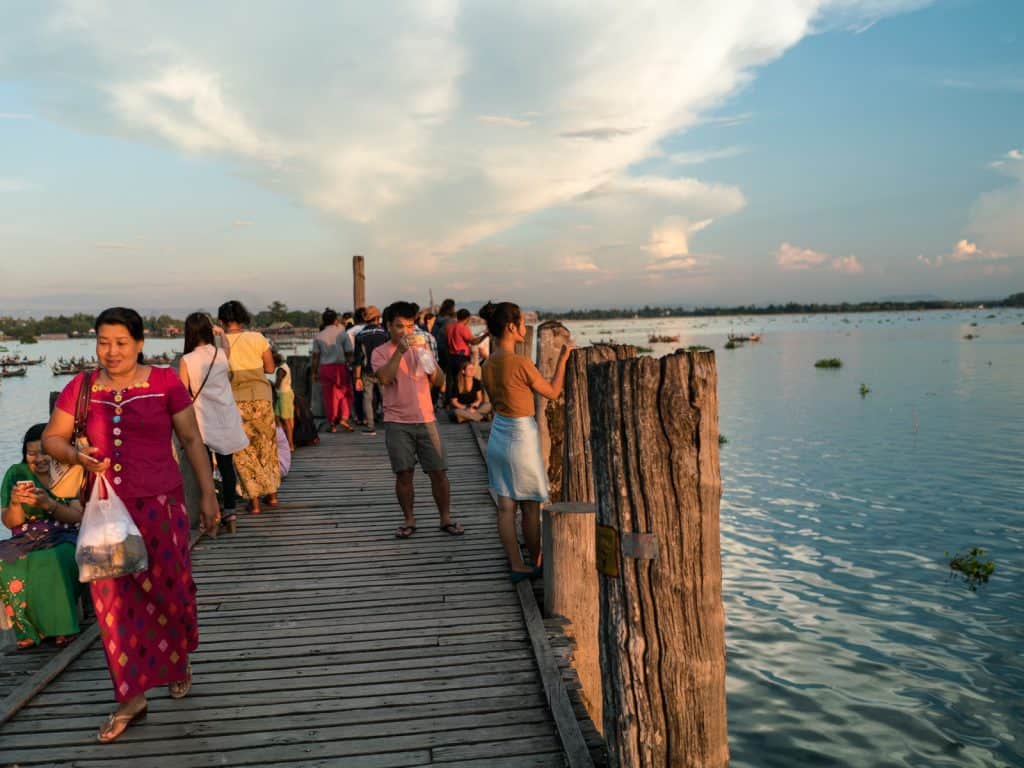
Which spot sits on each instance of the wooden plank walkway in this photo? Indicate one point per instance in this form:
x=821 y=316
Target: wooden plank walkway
x=326 y=641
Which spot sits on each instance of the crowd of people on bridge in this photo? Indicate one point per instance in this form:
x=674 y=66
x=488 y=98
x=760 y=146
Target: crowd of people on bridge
x=232 y=423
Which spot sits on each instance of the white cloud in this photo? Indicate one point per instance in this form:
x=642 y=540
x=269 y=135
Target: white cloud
x=790 y=257
x=963 y=251
x=794 y=259
x=506 y=122
x=848 y=265
x=703 y=156
x=428 y=127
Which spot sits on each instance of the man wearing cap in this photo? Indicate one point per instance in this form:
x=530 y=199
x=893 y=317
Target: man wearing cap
x=372 y=335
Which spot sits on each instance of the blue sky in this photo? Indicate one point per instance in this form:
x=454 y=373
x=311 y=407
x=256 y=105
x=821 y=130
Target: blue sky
x=730 y=151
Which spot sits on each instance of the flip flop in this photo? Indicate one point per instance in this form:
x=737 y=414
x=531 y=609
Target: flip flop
x=116 y=724
x=453 y=529
x=405 y=531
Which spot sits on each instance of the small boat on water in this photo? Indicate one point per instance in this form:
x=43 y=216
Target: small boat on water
x=10 y=373
x=656 y=339
x=161 y=359
x=738 y=337
x=70 y=367
x=10 y=361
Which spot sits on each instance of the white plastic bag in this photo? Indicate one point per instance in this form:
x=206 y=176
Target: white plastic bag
x=109 y=543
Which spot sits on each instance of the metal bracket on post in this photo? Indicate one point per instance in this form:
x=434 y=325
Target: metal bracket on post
x=639 y=546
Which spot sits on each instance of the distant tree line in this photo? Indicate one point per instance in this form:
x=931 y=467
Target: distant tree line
x=791 y=308
x=81 y=323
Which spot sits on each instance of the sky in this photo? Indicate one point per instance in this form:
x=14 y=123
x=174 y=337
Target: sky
x=169 y=156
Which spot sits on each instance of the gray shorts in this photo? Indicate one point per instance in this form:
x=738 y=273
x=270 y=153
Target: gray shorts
x=408 y=443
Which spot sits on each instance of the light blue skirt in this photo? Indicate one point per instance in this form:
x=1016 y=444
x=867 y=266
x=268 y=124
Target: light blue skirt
x=515 y=467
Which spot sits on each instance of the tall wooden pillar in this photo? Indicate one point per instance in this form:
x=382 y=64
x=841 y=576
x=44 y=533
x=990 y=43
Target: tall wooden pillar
x=570 y=572
x=654 y=437
x=358 y=282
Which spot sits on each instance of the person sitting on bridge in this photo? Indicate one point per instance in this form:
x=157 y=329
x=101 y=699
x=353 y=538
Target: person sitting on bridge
x=406 y=367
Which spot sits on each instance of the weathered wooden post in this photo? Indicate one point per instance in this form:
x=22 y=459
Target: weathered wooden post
x=358 y=282
x=525 y=347
x=570 y=575
x=654 y=437
x=551 y=337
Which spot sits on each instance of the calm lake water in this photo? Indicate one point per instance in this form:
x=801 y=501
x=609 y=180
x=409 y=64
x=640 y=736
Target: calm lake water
x=848 y=643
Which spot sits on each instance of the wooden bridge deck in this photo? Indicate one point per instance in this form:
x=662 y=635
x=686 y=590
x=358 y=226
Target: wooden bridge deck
x=326 y=641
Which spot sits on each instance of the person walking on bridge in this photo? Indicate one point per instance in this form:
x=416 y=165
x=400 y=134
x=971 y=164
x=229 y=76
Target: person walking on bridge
x=406 y=367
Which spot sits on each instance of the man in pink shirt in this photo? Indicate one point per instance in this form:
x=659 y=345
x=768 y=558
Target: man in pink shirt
x=405 y=368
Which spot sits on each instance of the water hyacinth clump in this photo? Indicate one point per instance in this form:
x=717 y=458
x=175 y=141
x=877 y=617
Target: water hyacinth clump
x=829 y=362
x=974 y=570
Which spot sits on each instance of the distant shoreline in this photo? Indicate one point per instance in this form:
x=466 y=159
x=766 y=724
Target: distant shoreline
x=79 y=325
x=792 y=308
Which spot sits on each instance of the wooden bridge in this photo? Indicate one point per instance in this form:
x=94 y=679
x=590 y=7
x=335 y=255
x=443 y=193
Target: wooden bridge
x=325 y=641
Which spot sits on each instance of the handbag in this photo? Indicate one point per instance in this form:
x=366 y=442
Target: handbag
x=110 y=545
x=68 y=480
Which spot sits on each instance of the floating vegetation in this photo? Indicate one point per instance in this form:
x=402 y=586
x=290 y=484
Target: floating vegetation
x=722 y=440
x=657 y=339
x=28 y=339
x=698 y=348
x=974 y=570
x=974 y=325
x=644 y=350
x=829 y=362
x=971 y=336
x=864 y=389
x=731 y=344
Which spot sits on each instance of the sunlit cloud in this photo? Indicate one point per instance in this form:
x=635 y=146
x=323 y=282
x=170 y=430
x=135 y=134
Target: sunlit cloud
x=426 y=138
x=791 y=258
x=703 y=156
x=505 y=122
x=963 y=251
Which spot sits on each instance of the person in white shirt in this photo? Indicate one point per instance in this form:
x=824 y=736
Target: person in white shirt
x=204 y=370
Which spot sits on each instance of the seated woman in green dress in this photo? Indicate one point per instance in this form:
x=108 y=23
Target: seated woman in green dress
x=39 y=585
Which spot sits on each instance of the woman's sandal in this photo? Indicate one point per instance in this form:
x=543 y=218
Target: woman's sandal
x=64 y=640
x=180 y=689
x=230 y=521
x=117 y=724
x=24 y=645
x=453 y=529
x=405 y=531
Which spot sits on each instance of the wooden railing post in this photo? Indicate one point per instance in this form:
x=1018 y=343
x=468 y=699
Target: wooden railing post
x=525 y=347
x=358 y=282
x=551 y=337
x=654 y=437
x=570 y=575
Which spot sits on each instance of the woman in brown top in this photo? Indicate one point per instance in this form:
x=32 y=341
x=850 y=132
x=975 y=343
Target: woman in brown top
x=515 y=467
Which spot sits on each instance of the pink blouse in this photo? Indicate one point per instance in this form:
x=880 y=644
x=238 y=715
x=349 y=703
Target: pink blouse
x=132 y=427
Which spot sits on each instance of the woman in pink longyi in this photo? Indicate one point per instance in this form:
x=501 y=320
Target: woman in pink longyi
x=147 y=620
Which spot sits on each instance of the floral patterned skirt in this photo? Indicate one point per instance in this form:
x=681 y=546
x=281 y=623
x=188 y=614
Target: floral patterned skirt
x=148 y=620
x=39 y=591
x=257 y=466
